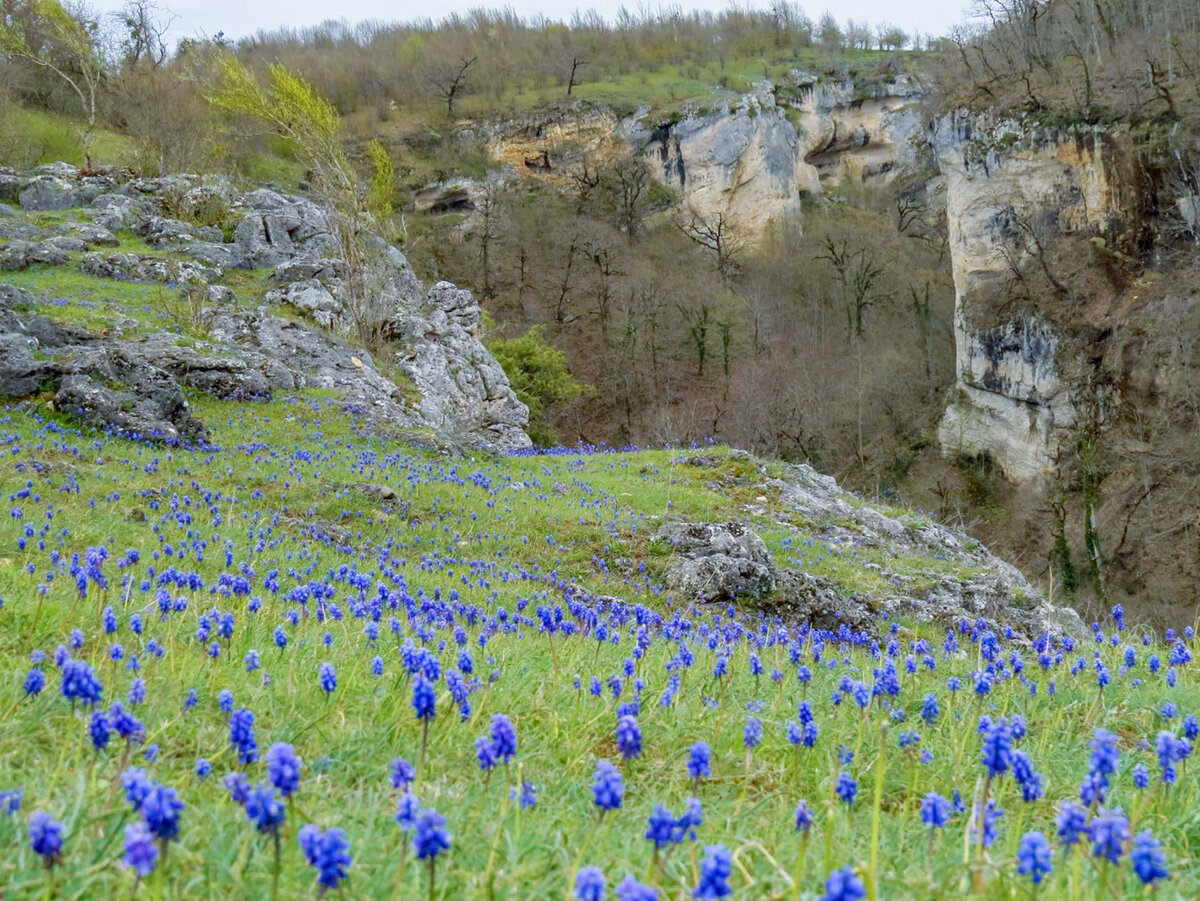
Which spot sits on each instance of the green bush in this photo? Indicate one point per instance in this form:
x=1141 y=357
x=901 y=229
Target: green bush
x=541 y=378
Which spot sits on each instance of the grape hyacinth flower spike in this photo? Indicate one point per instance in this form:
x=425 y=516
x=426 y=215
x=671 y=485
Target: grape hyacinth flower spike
x=430 y=839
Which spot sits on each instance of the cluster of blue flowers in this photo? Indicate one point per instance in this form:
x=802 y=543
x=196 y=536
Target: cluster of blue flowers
x=341 y=604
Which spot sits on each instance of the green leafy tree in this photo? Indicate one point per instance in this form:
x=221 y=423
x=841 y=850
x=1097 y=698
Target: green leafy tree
x=44 y=33
x=292 y=109
x=540 y=377
x=383 y=180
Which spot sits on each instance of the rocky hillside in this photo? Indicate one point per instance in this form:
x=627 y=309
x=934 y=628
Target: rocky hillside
x=176 y=302
x=754 y=160
x=1075 y=329
x=750 y=158
x=121 y=308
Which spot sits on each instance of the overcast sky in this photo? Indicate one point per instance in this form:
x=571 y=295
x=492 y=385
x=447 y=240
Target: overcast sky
x=239 y=18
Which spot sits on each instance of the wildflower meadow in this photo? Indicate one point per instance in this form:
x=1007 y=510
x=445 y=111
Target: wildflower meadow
x=234 y=672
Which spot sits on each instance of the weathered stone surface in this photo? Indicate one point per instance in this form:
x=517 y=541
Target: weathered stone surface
x=21 y=373
x=964 y=582
x=22 y=254
x=93 y=235
x=464 y=391
x=123 y=412
x=719 y=561
x=1013 y=401
x=318 y=360
x=218 y=256
x=147 y=268
x=306 y=268
x=49 y=192
x=114 y=211
x=67 y=243
x=277 y=227
x=146 y=403
x=989 y=589
x=465 y=396
x=311 y=298
x=232 y=373
x=161 y=231
x=744 y=165
x=752 y=161
x=10 y=187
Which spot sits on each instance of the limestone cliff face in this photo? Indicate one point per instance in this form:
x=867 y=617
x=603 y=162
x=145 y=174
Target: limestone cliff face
x=752 y=161
x=1011 y=191
x=844 y=135
x=745 y=163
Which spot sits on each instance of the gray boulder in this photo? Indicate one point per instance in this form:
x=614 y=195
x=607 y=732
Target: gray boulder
x=219 y=256
x=305 y=268
x=10 y=187
x=93 y=235
x=125 y=412
x=60 y=169
x=21 y=372
x=230 y=373
x=22 y=254
x=148 y=268
x=49 y=192
x=116 y=211
x=66 y=243
x=160 y=231
x=148 y=404
x=317 y=360
x=718 y=561
x=277 y=227
x=464 y=390
x=311 y=298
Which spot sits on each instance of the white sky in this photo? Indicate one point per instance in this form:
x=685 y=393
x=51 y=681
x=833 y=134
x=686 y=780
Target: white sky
x=238 y=18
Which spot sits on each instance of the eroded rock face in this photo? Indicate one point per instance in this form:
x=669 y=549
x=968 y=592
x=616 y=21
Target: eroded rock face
x=745 y=164
x=463 y=389
x=753 y=160
x=1014 y=366
x=719 y=561
x=316 y=360
x=278 y=227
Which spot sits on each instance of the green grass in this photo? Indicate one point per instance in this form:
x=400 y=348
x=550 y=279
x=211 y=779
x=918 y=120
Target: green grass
x=33 y=137
x=668 y=86
x=281 y=494
x=67 y=295
x=76 y=298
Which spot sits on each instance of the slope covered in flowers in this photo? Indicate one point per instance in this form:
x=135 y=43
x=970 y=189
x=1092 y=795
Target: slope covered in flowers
x=246 y=671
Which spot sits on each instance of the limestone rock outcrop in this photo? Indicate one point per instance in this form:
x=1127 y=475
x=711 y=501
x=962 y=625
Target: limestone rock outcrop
x=463 y=389
x=461 y=392
x=753 y=159
x=962 y=581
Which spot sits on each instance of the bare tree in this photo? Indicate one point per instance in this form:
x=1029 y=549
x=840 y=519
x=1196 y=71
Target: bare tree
x=145 y=33
x=697 y=325
x=576 y=64
x=859 y=271
x=451 y=82
x=716 y=235
x=629 y=180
